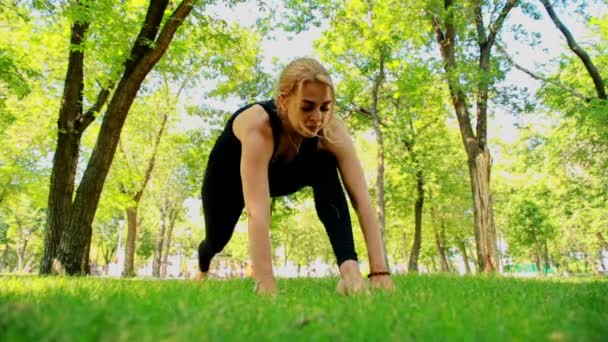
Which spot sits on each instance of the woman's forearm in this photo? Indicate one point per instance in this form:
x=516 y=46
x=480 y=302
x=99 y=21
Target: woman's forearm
x=259 y=247
x=373 y=238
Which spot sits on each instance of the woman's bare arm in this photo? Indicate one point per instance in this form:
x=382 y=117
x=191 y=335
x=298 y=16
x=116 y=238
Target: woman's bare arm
x=253 y=129
x=354 y=181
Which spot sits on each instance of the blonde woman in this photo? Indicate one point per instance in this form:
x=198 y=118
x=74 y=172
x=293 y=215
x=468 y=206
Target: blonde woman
x=275 y=148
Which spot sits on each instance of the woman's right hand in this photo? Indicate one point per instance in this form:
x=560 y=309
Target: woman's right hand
x=266 y=287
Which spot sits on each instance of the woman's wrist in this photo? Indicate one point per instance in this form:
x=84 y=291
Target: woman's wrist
x=349 y=268
x=378 y=273
x=263 y=277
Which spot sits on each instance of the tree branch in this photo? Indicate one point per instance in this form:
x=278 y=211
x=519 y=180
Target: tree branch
x=71 y=103
x=363 y=112
x=130 y=167
x=147 y=34
x=167 y=32
x=84 y=121
x=538 y=77
x=584 y=57
x=446 y=47
x=482 y=38
x=152 y=160
x=497 y=25
x=485 y=51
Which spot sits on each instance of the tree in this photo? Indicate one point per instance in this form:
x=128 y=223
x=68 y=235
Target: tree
x=532 y=229
x=170 y=189
x=449 y=23
x=24 y=221
x=71 y=220
x=361 y=62
x=146 y=129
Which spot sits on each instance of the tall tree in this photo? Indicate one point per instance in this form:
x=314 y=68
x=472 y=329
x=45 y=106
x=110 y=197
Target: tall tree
x=134 y=187
x=169 y=190
x=70 y=219
x=447 y=25
x=360 y=61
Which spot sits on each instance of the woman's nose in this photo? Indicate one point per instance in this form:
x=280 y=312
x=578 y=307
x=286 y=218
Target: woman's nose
x=317 y=115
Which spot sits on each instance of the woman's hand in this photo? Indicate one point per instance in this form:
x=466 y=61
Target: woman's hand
x=266 y=287
x=382 y=282
x=351 y=281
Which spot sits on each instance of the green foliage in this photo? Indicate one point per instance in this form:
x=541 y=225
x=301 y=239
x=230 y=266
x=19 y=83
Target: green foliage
x=530 y=224
x=146 y=242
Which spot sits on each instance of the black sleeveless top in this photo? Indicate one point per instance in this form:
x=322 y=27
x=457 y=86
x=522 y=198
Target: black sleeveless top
x=224 y=161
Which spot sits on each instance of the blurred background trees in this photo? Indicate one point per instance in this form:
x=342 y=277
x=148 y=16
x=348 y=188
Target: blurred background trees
x=416 y=81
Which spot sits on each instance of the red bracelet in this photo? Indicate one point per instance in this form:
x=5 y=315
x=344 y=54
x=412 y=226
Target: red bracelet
x=373 y=274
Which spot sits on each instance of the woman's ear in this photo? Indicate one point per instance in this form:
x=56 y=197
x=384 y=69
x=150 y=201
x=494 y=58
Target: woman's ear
x=282 y=103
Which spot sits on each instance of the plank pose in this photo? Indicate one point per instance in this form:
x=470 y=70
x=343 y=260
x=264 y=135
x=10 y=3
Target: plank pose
x=275 y=148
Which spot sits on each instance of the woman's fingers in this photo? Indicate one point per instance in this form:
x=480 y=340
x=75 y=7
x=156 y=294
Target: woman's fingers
x=266 y=288
x=351 y=286
x=382 y=282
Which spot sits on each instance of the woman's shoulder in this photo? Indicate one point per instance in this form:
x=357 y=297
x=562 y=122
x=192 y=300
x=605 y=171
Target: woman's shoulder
x=254 y=119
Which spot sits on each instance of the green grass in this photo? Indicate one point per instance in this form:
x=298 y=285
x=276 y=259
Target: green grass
x=423 y=308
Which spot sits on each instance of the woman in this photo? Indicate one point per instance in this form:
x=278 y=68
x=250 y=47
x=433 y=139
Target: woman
x=275 y=148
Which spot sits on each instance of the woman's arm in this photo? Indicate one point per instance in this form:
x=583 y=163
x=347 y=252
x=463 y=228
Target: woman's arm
x=356 y=187
x=253 y=129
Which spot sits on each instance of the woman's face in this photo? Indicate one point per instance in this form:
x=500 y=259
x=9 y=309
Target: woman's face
x=308 y=116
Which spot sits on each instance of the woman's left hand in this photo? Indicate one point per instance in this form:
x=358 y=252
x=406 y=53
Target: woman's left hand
x=382 y=282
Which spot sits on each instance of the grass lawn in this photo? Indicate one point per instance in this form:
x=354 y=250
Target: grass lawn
x=423 y=308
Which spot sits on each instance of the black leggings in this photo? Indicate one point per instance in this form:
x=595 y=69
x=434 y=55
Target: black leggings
x=222 y=205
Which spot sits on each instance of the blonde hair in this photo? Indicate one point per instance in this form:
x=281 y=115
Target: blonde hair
x=290 y=82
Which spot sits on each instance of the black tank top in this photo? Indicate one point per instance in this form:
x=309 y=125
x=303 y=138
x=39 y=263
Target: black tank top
x=225 y=157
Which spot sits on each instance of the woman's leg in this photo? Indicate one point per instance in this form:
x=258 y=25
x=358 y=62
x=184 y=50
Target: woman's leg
x=331 y=206
x=222 y=212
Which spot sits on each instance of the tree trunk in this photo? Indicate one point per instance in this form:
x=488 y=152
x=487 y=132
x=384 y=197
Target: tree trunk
x=443 y=261
x=405 y=253
x=20 y=260
x=462 y=248
x=537 y=260
x=160 y=243
x=129 y=267
x=546 y=257
x=475 y=144
x=586 y=256
x=86 y=255
x=600 y=255
x=106 y=254
x=603 y=241
x=167 y=249
x=485 y=234
x=380 y=205
x=441 y=252
x=5 y=257
x=475 y=263
x=144 y=57
x=65 y=160
x=415 y=253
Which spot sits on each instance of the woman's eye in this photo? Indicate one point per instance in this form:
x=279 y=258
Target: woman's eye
x=307 y=109
x=325 y=109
